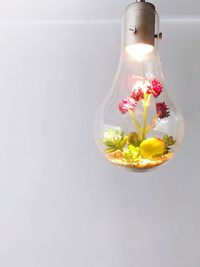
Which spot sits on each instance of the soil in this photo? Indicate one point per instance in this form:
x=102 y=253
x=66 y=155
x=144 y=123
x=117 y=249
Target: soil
x=117 y=158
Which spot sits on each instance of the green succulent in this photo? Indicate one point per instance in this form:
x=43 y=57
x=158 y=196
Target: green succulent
x=168 y=140
x=114 y=139
x=134 y=139
x=131 y=153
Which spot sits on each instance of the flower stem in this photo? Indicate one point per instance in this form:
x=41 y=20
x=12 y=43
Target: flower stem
x=144 y=123
x=135 y=121
x=145 y=105
x=150 y=126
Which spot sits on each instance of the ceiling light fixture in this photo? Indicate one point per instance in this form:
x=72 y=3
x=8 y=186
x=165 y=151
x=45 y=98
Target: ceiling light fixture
x=138 y=126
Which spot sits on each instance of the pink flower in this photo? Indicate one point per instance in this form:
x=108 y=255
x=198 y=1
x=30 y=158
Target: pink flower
x=127 y=104
x=155 y=88
x=137 y=94
x=162 y=110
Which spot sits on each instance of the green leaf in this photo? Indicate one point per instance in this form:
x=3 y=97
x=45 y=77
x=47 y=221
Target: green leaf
x=169 y=140
x=123 y=142
x=108 y=142
x=110 y=150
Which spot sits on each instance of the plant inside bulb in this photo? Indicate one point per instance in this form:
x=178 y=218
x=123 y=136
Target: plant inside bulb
x=136 y=149
x=138 y=126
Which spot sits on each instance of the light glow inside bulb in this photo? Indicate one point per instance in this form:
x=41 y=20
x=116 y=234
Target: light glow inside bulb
x=139 y=51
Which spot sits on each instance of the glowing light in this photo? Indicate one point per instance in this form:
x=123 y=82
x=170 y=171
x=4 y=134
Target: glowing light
x=139 y=51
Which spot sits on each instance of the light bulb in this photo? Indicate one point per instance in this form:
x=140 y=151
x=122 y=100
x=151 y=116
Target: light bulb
x=138 y=127
x=139 y=51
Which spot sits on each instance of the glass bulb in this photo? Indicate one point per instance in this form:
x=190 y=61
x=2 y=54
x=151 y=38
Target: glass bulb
x=138 y=127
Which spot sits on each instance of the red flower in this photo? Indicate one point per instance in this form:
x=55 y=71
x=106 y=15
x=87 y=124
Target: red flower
x=137 y=94
x=155 y=88
x=127 y=104
x=162 y=110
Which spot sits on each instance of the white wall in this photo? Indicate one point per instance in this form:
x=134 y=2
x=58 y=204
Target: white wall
x=61 y=203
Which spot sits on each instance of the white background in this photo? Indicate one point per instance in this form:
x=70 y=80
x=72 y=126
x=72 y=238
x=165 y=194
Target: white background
x=61 y=203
